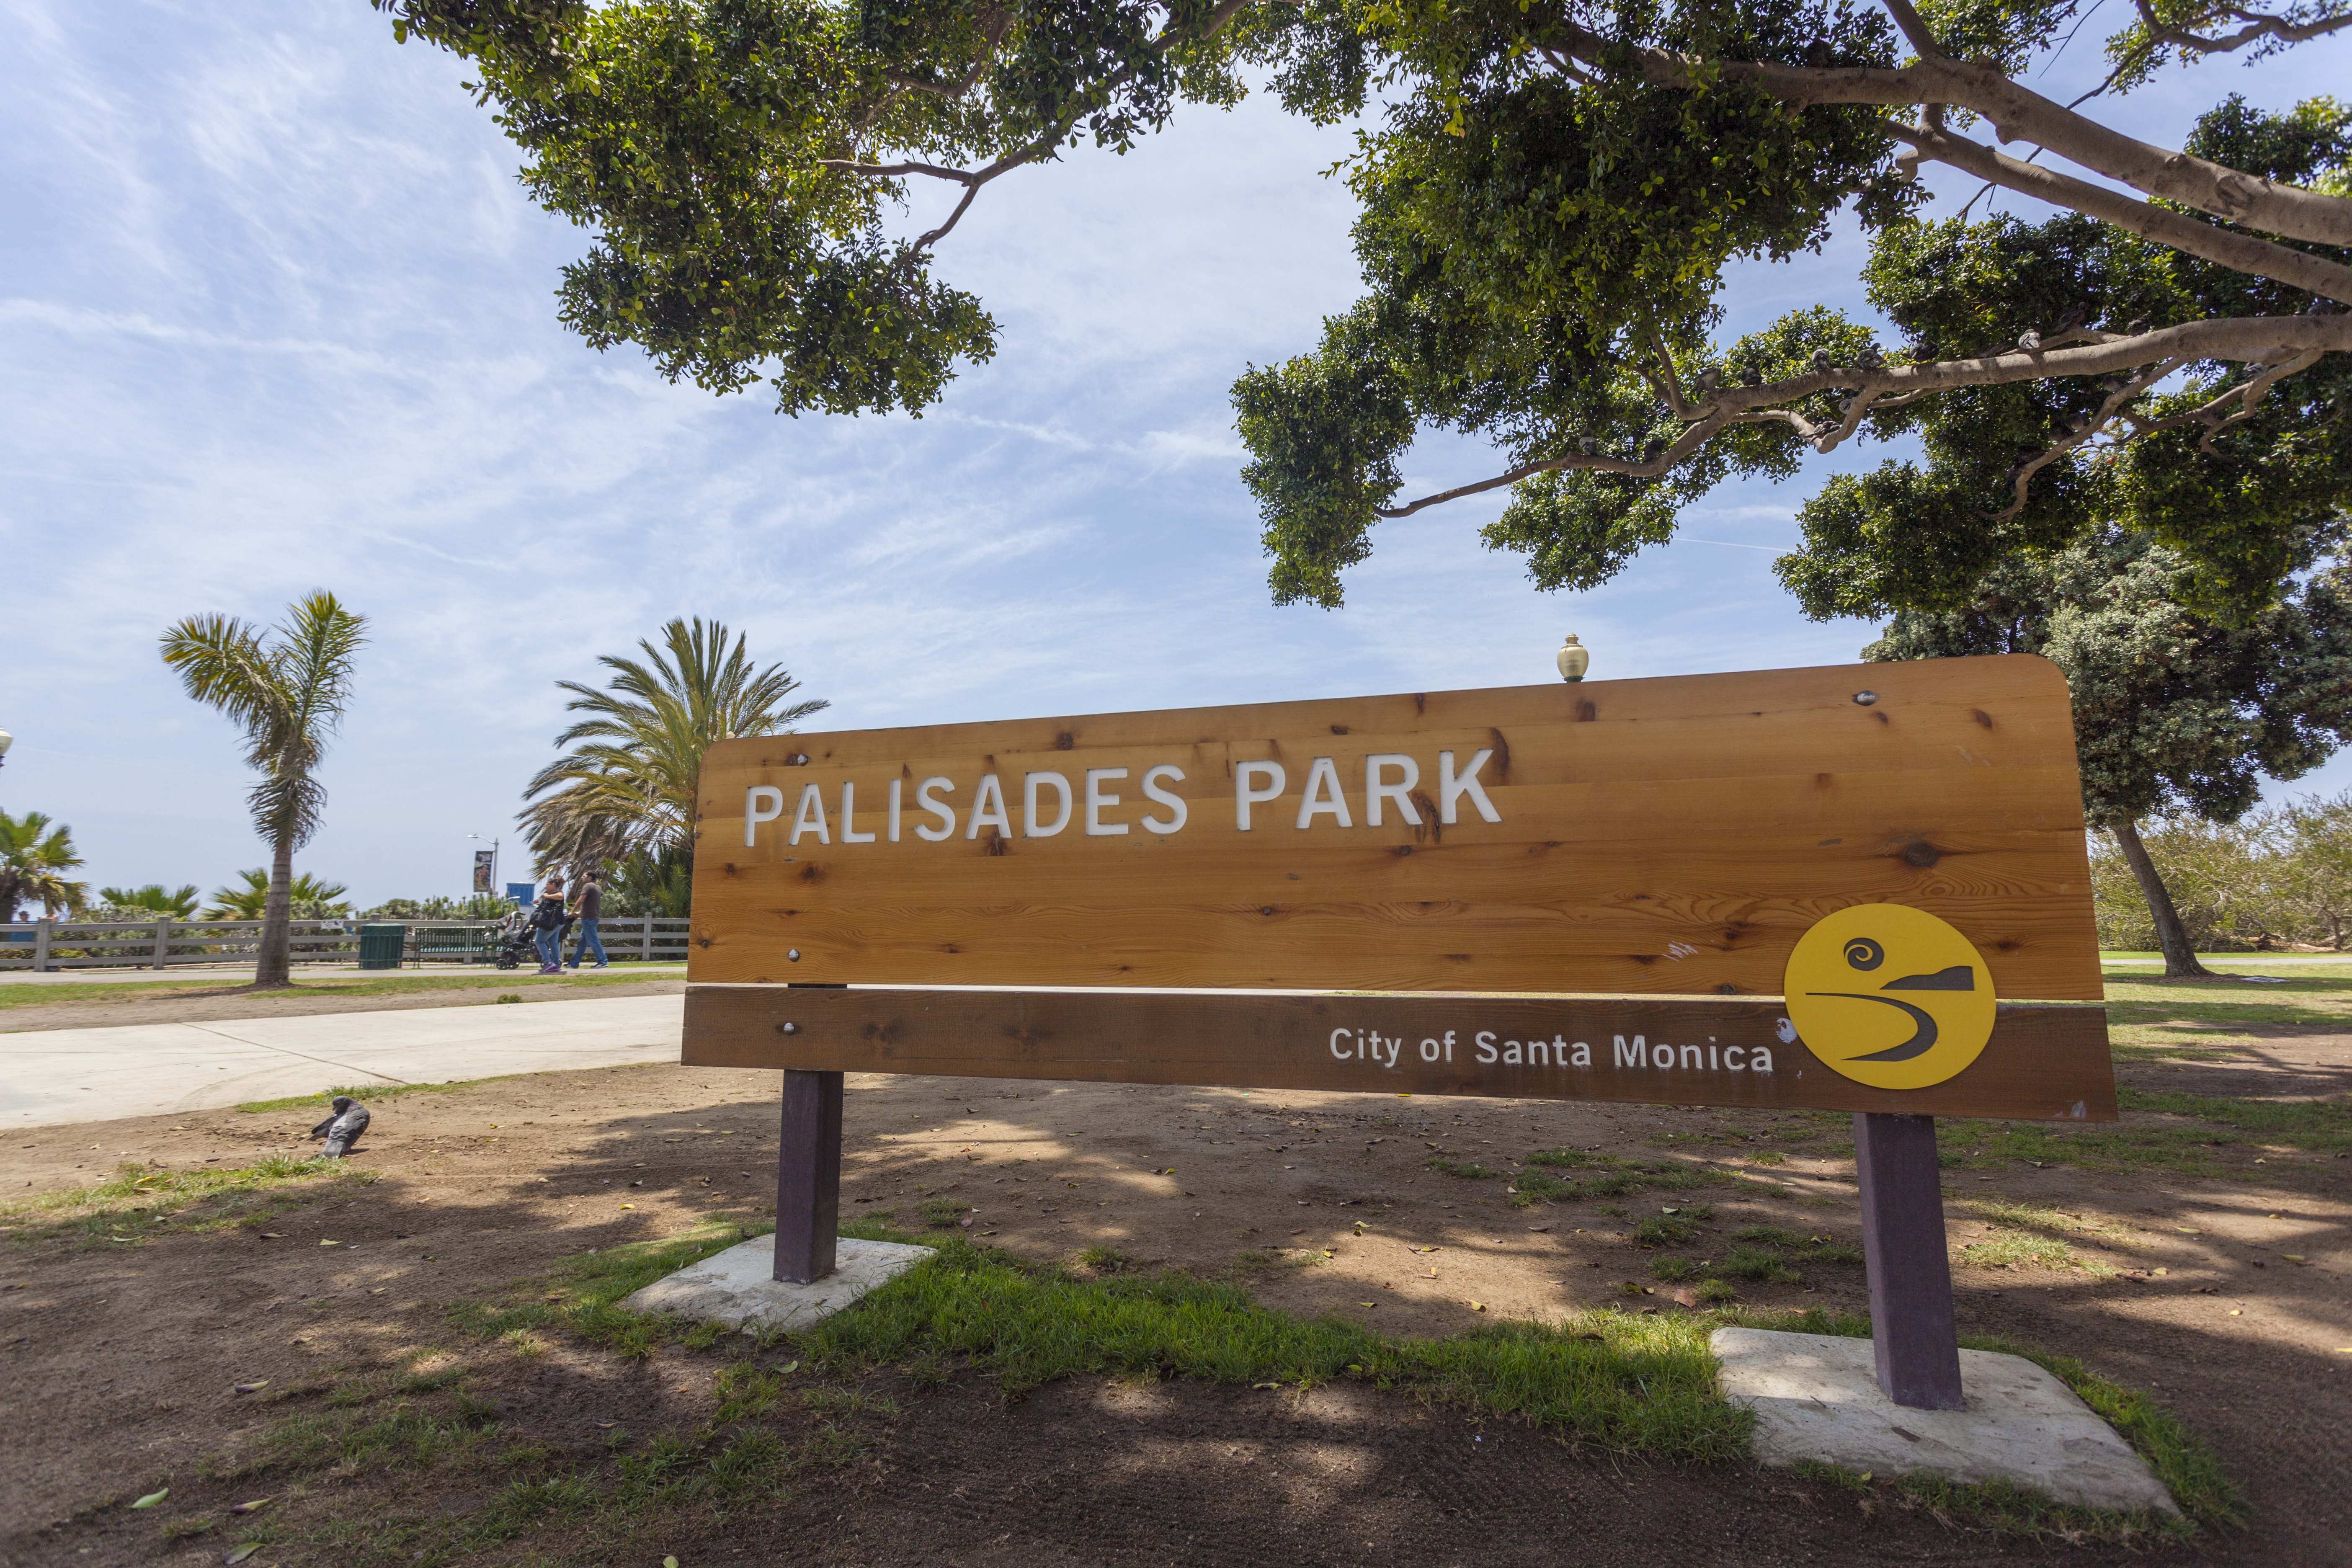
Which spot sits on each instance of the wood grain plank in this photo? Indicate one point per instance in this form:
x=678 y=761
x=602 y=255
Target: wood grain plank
x=1673 y=835
x=2043 y=1063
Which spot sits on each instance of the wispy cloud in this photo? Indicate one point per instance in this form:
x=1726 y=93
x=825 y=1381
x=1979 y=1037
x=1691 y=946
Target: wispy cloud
x=274 y=315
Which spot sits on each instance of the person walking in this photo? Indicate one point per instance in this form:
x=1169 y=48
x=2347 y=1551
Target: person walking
x=546 y=927
x=589 y=907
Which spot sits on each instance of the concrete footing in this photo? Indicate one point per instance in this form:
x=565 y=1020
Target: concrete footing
x=1816 y=1397
x=737 y=1288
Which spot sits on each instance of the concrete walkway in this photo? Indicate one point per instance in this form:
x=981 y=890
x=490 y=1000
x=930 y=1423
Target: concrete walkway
x=52 y=1076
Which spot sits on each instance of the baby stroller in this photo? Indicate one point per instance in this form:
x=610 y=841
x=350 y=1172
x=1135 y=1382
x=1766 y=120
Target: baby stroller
x=511 y=944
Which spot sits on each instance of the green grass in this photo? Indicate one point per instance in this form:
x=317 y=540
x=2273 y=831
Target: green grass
x=377 y=1430
x=786 y=1407
x=1672 y=1227
x=369 y=1092
x=33 y=995
x=1804 y=1246
x=2192 y=1050
x=2241 y=1128
x=580 y=1296
x=1604 y=1176
x=140 y=1202
x=1462 y=1169
x=2319 y=1126
x=2035 y=1234
x=1624 y=1383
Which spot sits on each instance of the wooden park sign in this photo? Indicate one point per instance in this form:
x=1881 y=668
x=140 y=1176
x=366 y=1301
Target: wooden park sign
x=1457 y=860
x=1862 y=887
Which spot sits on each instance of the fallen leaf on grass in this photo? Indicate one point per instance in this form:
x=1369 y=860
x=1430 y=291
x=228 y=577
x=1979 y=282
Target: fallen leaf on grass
x=330 y=1244
x=669 y=1562
x=1540 y=1229
x=256 y=1506
x=1266 y=1385
x=258 y=1383
x=1478 y=1306
x=2292 y=1257
x=273 y=1236
x=628 y=1205
x=239 y=1553
x=151 y=1498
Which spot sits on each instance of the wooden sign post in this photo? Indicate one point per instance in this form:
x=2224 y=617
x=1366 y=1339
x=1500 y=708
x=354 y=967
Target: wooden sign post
x=1856 y=888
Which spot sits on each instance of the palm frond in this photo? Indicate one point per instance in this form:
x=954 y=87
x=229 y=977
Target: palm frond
x=628 y=785
x=288 y=694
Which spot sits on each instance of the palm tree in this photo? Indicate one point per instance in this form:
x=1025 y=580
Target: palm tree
x=179 y=905
x=626 y=790
x=288 y=693
x=305 y=900
x=34 y=858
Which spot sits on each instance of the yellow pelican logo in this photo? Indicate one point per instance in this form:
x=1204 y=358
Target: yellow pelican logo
x=1889 y=996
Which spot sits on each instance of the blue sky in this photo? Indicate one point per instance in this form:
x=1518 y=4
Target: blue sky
x=274 y=315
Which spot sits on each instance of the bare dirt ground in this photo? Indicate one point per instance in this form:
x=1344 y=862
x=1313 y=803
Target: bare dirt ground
x=120 y=1359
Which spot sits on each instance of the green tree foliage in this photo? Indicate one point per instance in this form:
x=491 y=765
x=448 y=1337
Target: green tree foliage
x=247 y=898
x=2176 y=715
x=178 y=903
x=286 y=689
x=1552 y=192
x=2278 y=877
x=35 y=853
x=2232 y=466
x=626 y=789
x=473 y=907
x=658 y=882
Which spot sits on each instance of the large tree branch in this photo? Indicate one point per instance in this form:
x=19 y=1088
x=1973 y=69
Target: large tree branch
x=2258 y=26
x=2281 y=344
x=973 y=179
x=2016 y=113
x=1915 y=27
x=2240 y=252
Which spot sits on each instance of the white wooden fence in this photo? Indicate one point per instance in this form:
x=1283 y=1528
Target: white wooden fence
x=156 y=944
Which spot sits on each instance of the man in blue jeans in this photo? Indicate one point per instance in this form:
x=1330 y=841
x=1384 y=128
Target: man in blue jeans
x=589 y=907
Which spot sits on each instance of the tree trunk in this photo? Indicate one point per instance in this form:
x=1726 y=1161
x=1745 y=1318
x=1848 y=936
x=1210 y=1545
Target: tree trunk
x=276 y=941
x=2179 y=956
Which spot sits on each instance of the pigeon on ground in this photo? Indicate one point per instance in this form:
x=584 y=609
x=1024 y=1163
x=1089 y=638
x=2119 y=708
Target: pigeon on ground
x=343 y=1129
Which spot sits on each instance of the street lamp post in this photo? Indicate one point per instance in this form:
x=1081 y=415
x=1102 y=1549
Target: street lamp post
x=6 y=741
x=1573 y=659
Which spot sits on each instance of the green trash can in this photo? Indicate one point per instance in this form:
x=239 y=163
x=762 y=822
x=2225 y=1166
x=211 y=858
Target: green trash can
x=381 y=945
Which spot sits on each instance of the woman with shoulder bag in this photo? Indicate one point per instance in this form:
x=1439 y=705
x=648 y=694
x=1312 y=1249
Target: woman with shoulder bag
x=546 y=927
